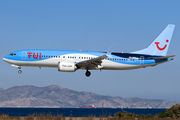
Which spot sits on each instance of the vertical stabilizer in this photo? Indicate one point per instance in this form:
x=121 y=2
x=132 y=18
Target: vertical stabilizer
x=161 y=44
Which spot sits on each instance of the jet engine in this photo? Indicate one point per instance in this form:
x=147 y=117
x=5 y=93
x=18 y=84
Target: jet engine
x=66 y=67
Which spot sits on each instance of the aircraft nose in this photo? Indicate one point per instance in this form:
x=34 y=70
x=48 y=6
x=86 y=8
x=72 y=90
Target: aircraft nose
x=4 y=59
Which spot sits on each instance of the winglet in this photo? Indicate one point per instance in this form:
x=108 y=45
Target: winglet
x=109 y=51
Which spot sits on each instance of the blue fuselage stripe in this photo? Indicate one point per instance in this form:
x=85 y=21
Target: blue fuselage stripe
x=123 y=58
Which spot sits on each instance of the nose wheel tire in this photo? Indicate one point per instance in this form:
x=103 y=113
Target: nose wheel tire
x=88 y=73
x=19 y=71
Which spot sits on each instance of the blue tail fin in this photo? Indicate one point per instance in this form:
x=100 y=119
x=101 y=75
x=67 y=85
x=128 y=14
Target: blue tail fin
x=161 y=44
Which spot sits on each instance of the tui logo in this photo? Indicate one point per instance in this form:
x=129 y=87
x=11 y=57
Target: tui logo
x=157 y=44
x=35 y=56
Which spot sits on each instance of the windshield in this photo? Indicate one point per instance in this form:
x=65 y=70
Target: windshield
x=12 y=54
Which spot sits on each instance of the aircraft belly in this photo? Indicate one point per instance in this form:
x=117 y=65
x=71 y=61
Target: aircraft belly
x=109 y=65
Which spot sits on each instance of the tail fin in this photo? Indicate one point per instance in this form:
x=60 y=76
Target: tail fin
x=161 y=44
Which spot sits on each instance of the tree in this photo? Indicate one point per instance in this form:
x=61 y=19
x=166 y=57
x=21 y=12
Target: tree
x=163 y=115
x=174 y=111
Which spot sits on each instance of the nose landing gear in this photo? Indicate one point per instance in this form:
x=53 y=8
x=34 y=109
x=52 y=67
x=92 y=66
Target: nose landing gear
x=88 y=73
x=19 y=71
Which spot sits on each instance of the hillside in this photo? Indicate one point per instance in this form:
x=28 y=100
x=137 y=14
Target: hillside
x=56 y=96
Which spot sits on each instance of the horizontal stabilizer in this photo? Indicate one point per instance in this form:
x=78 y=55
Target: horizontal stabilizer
x=165 y=57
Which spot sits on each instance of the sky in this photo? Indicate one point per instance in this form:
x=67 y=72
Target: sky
x=91 y=25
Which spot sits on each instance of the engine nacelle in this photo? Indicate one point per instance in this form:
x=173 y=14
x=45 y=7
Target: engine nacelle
x=66 y=67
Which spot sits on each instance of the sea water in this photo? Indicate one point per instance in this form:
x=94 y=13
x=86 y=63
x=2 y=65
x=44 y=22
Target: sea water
x=75 y=112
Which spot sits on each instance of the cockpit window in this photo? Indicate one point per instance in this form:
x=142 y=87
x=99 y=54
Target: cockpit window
x=12 y=54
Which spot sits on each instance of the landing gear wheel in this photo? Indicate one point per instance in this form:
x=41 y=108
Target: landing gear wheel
x=88 y=73
x=19 y=71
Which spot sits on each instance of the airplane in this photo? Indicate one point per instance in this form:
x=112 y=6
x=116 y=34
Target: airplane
x=70 y=61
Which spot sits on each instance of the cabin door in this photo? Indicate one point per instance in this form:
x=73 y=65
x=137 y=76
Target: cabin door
x=142 y=60
x=24 y=55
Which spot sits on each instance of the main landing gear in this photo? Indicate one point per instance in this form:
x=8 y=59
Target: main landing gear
x=88 y=73
x=19 y=71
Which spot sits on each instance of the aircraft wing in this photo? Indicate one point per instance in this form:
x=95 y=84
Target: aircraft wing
x=92 y=63
x=164 y=57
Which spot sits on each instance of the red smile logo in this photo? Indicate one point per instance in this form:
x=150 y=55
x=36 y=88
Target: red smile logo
x=157 y=44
